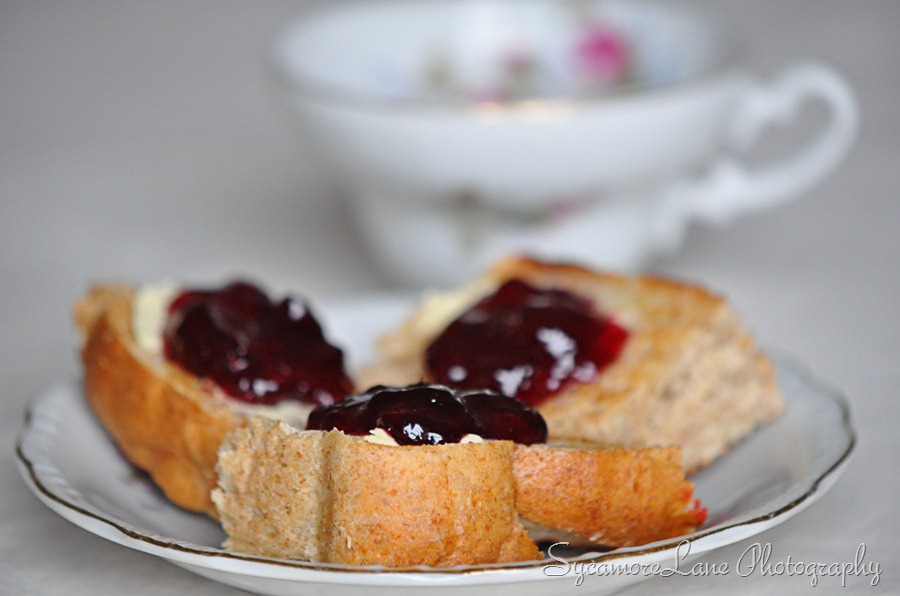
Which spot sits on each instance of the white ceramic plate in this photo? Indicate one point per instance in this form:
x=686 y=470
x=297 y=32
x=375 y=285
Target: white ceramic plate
x=71 y=465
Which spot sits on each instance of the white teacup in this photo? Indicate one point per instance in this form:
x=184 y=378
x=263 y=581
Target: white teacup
x=592 y=131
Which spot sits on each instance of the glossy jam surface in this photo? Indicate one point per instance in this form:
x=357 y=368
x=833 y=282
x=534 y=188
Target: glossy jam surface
x=432 y=414
x=525 y=342
x=256 y=350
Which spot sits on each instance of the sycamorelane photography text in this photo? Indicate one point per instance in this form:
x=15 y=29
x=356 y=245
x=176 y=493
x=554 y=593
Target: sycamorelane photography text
x=758 y=559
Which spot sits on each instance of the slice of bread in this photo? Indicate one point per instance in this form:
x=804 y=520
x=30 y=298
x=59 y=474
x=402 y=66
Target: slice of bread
x=689 y=375
x=336 y=498
x=331 y=497
x=164 y=420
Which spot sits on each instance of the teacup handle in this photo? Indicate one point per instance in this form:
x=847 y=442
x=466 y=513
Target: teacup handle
x=634 y=229
x=631 y=230
x=732 y=188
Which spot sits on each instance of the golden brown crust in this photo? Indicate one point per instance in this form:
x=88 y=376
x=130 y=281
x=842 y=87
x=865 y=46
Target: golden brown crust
x=164 y=420
x=689 y=375
x=613 y=496
x=330 y=497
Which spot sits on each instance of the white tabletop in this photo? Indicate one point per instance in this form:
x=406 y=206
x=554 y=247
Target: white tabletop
x=141 y=141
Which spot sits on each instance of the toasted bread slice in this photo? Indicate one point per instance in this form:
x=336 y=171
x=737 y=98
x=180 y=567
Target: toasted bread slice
x=164 y=420
x=335 y=498
x=689 y=375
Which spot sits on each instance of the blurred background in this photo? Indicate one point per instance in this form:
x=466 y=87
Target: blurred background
x=142 y=141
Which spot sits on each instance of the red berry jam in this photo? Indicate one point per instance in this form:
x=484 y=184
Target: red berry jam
x=257 y=351
x=526 y=343
x=427 y=414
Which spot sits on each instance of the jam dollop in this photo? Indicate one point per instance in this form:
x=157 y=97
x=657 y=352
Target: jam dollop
x=431 y=414
x=525 y=342
x=256 y=350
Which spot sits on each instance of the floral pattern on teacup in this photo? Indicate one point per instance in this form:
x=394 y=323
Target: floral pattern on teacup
x=570 y=53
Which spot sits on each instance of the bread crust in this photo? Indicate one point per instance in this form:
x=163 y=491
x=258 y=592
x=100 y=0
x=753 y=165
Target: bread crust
x=164 y=420
x=689 y=375
x=611 y=496
x=334 y=498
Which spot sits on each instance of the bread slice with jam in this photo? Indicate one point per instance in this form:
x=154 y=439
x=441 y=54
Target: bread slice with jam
x=166 y=415
x=680 y=368
x=424 y=475
x=330 y=497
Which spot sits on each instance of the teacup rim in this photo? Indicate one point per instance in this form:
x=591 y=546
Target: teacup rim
x=314 y=89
